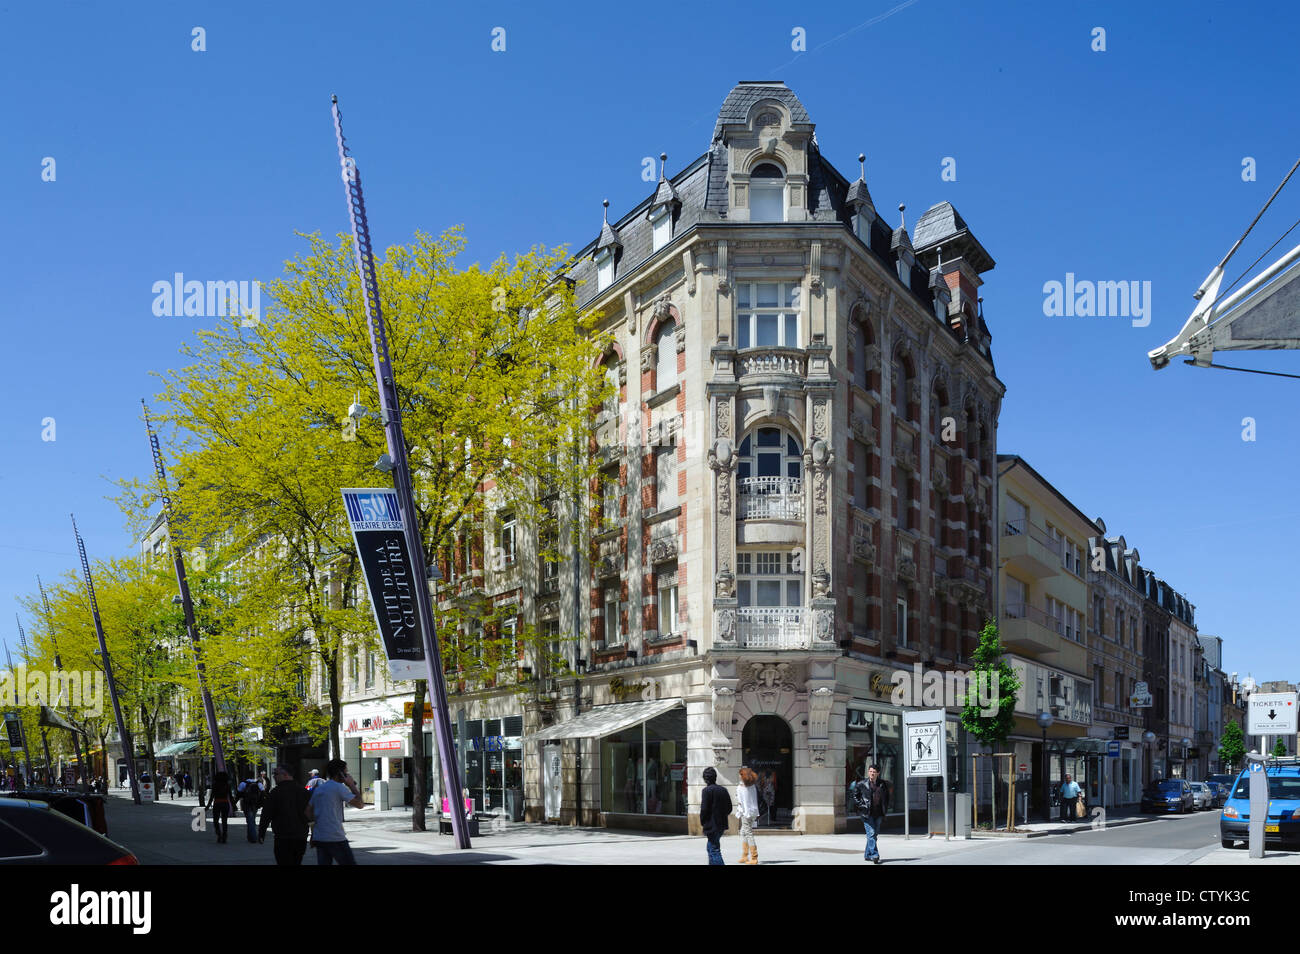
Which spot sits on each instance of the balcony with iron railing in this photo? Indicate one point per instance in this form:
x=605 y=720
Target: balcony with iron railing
x=770 y=498
x=772 y=627
x=1029 y=549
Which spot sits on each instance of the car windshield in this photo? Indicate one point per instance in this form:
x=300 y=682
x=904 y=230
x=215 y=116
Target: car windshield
x=1170 y=786
x=1279 y=786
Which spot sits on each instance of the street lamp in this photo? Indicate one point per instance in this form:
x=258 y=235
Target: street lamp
x=1149 y=739
x=1186 y=743
x=1045 y=721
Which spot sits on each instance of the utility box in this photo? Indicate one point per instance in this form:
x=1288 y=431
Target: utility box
x=961 y=817
x=380 y=789
x=935 y=801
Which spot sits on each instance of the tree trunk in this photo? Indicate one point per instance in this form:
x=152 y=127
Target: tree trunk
x=332 y=671
x=418 y=794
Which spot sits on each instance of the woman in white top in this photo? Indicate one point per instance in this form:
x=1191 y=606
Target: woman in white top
x=747 y=811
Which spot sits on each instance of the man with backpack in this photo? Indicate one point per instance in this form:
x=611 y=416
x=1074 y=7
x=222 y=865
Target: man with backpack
x=871 y=798
x=250 y=799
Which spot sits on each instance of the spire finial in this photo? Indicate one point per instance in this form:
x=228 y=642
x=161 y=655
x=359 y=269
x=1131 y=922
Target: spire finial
x=663 y=166
x=862 y=165
x=606 y=205
x=901 y=217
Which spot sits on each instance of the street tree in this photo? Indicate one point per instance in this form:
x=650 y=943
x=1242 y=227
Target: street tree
x=1232 y=745
x=495 y=372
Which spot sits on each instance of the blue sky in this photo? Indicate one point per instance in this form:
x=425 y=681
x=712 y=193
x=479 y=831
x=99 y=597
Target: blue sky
x=1116 y=165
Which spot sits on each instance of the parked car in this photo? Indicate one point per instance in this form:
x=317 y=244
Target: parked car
x=1204 y=798
x=1220 y=791
x=84 y=807
x=1169 y=795
x=1282 y=824
x=33 y=833
x=1227 y=781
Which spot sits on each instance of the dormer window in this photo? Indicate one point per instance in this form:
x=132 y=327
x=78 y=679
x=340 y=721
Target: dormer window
x=661 y=222
x=604 y=268
x=767 y=194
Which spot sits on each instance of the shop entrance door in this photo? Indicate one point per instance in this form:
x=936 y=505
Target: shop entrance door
x=768 y=749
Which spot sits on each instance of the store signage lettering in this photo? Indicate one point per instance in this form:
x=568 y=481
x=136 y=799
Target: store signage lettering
x=494 y=743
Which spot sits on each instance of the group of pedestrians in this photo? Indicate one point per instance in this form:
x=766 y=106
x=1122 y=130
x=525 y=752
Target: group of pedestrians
x=297 y=814
x=870 y=796
x=178 y=783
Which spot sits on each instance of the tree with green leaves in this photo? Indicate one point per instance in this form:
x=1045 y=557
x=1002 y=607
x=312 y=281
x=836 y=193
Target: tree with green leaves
x=1279 y=748
x=992 y=671
x=1232 y=745
x=495 y=371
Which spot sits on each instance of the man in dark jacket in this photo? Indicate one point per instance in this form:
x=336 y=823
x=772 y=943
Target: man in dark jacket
x=715 y=810
x=285 y=812
x=871 y=798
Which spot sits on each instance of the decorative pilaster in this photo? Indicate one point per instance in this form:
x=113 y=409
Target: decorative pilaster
x=722 y=461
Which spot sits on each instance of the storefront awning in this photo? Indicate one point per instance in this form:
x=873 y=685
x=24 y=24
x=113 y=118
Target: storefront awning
x=175 y=749
x=601 y=721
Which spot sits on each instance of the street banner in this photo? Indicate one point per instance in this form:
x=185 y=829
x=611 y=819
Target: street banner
x=380 y=535
x=14 y=730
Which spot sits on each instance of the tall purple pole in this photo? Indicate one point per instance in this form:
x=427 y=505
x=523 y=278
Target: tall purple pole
x=58 y=664
x=27 y=743
x=178 y=560
x=390 y=412
x=128 y=745
x=45 y=736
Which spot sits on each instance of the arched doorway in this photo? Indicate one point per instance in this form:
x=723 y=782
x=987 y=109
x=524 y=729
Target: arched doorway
x=768 y=748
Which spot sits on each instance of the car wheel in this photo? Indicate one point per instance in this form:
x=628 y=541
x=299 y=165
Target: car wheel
x=1226 y=842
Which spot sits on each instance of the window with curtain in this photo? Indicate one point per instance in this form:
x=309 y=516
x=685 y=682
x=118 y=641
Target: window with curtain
x=666 y=348
x=767 y=194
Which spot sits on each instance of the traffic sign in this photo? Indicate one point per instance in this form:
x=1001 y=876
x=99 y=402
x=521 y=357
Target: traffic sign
x=1271 y=713
x=1112 y=749
x=925 y=749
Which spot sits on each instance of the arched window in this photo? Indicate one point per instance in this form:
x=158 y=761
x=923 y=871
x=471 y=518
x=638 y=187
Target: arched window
x=770 y=452
x=666 y=346
x=767 y=194
x=769 y=475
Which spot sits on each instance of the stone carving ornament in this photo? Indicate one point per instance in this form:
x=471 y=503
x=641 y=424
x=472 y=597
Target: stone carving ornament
x=771 y=677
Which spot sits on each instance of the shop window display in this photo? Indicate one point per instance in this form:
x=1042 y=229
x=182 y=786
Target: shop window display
x=643 y=769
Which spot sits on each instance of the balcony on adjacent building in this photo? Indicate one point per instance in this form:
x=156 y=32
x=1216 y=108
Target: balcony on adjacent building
x=772 y=627
x=1030 y=550
x=770 y=498
x=1029 y=629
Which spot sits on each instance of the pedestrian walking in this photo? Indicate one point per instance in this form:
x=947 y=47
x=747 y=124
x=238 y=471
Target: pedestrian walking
x=285 y=813
x=715 y=808
x=1070 y=792
x=747 y=812
x=871 y=798
x=313 y=779
x=325 y=811
x=250 y=799
x=221 y=804
x=171 y=787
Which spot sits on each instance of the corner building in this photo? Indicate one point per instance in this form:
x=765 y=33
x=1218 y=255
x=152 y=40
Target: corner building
x=799 y=495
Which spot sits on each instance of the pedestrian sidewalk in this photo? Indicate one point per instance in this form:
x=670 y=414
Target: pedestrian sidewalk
x=1094 y=822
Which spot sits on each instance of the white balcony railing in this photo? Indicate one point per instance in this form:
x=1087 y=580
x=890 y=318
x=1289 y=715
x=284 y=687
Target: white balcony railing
x=772 y=361
x=772 y=627
x=771 y=498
